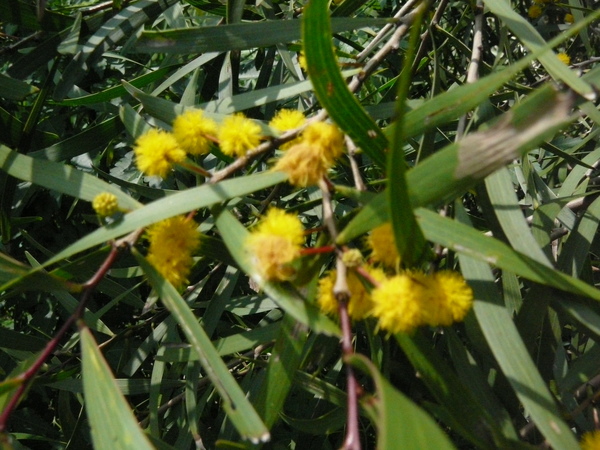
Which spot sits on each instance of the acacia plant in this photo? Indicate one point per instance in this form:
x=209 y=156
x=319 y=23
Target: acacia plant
x=359 y=224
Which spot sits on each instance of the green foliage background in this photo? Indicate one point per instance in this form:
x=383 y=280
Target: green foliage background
x=495 y=177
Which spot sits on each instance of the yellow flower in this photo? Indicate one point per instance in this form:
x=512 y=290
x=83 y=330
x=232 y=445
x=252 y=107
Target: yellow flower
x=327 y=139
x=156 y=151
x=302 y=61
x=535 y=11
x=359 y=304
x=238 y=134
x=564 y=58
x=191 y=130
x=590 y=440
x=274 y=243
x=382 y=243
x=303 y=165
x=398 y=303
x=456 y=295
x=287 y=119
x=172 y=242
x=105 y=204
x=569 y=18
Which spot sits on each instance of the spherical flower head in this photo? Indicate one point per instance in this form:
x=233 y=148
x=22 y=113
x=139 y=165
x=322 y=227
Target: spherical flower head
x=238 y=134
x=302 y=61
x=156 y=151
x=275 y=243
x=564 y=58
x=352 y=257
x=303 y=165
x=455 y=294
x=398 y=304
x=569 y=18
x=382 y=243
x=191 y=129
x=172 y=242
x=359 y=304
x=285 y=120
x=535 y=11
x=105 y=204
x=590 y=440
x=326 y=138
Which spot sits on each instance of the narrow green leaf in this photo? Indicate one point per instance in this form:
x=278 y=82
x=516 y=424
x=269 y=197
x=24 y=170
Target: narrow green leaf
x=525 y=31
x=110 y=33
x=238 y=408
x=234 y=235
x=236 y=36
x=59 y=177
x=172 y=205
x=12 y=89
x=512 y=356
x=111 y=420
x=330 y=87
x=400 y=423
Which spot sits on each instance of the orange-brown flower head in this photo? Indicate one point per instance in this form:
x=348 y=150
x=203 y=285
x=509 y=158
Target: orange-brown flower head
x=238 y=134
x=156 y=151
x=274 y=243
x=192 y=130
x=172 y=242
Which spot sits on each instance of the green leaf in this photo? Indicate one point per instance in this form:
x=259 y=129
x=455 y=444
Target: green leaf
x=236 y=36
x=400 y=423
x=235 y=403
x=503 y=338
x=172 y=205
x=529 y=36
x=12 y=89
x=234 y=236
x=59 y=177
x=330 y=87
x=110 y=33
x=111 y=420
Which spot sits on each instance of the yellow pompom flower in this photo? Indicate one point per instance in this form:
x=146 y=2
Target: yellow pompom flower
x=569 y=18
x=590 y=440
x=535 y=11
x=303 y=165
x=564 y=58
x=327 y=139
x=302 y=61
x=382 y=243
x=398 y=303
x=191 y=130
x=156 y=151
x=285 y=120
x=456 y=296
x=105 y=204
x=360 y=303
x=274 y=243
x=172 y=242
x=238 y=134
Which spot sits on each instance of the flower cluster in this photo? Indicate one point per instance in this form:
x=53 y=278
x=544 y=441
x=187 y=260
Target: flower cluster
x=403 y=301
x=274 y=243
x=157 y=151
x=172 y=243
x=590 y=440
x=308 y=161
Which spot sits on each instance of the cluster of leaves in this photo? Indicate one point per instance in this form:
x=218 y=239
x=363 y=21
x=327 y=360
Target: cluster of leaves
x=509 y=160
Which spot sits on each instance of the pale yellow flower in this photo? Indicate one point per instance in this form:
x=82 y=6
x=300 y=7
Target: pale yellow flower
x=274 y=243
x=285 y=120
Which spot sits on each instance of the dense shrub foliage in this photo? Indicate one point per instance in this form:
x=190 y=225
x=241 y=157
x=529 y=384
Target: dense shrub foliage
x=357 y=224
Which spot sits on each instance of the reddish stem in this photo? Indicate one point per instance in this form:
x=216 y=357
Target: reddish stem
x=318 y=250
